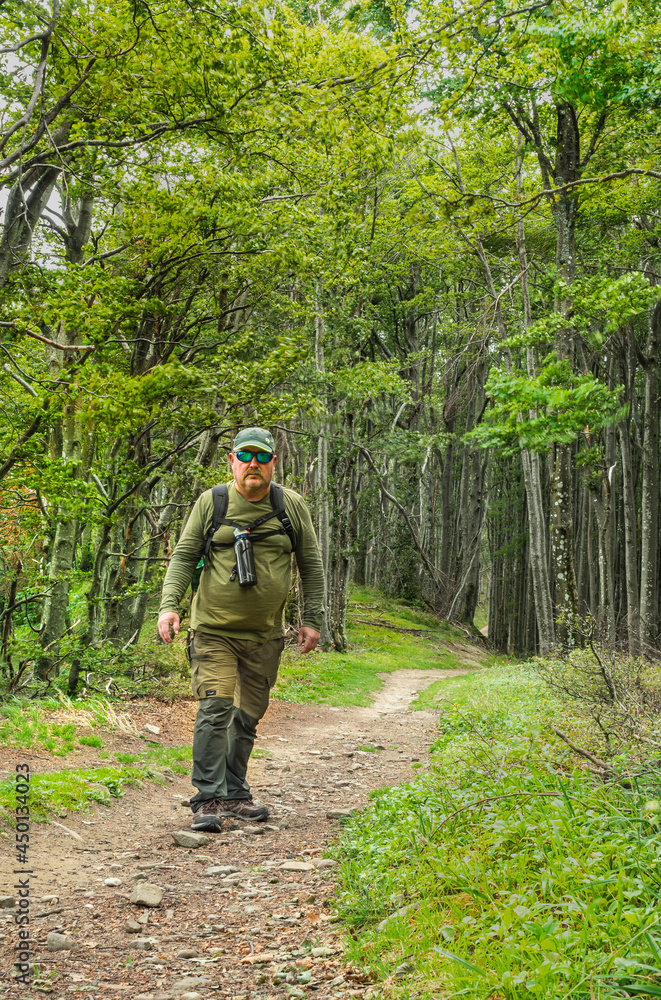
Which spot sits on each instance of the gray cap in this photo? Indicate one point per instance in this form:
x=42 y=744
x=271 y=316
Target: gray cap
x=254 y=437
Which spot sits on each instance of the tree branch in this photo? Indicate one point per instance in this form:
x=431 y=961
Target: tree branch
x=45 y=340
x=433 y=572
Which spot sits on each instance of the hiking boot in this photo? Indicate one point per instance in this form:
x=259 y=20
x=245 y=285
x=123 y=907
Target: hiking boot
x=243 y=809
x=207 y=816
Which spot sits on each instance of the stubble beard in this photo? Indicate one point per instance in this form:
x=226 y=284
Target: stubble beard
x=253 y=483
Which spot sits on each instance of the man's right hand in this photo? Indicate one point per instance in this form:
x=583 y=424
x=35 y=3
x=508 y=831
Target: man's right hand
x=168 y=620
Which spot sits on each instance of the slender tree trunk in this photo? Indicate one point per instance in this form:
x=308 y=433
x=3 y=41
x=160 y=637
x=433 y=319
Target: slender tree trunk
x=323 y=513
x=154 y=546
x=603 y=507
x=539 y=559
x=344 y=508
x=630 y=541
x=56 y=605
x=649 y=510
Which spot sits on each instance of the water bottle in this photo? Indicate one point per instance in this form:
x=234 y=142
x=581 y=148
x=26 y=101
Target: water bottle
x=245 y=563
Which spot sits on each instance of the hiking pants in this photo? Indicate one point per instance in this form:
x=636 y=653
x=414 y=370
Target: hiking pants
x=232 y=680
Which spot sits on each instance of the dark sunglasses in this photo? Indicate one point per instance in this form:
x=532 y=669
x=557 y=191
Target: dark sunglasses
x=263 y=457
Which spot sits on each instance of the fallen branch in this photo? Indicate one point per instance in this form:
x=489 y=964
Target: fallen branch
x=395 y=628
x=72 y=833
x=601 y=764
x=493 y=798
x=48 y=913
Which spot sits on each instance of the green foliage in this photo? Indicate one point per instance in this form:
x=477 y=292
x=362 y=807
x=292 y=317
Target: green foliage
x=523 y=876
x=553 y=408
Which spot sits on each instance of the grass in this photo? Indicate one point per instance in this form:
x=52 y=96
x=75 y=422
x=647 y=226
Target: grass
x=90 y=741
x=72 y=790
x=352 y=678
x=30 y=725
x=23 y=725
x=525 y=877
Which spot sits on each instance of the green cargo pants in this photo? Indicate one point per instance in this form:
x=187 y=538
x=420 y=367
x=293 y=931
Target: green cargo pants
x=232 y=680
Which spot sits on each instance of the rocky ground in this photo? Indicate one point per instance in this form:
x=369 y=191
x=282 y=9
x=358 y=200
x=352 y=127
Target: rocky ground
x=247 y=915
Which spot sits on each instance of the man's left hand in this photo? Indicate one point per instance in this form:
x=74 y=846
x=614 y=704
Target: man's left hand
x=308 y=639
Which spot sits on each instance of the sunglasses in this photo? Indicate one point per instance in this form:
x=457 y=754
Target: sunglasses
x=263 y=457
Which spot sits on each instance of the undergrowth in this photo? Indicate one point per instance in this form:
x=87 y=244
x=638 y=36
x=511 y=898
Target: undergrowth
x=380 y=643
x=507 y=870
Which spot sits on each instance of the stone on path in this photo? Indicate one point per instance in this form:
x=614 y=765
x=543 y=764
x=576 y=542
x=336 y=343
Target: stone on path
x=147 y=894
x=260 y=959
x=188 y=985
x=132 y=926
x=255 y=830
x=7 y=902
x=339 y=813
x=112 y=882
x=144 y=943
x=187 y=953
x=325 y=863
x=297 y=866
x=188 y=838
x=154 y=730
x=190 y=995
x=59 y=942
x=221 y=870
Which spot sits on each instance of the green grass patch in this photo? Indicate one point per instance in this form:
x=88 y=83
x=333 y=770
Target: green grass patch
x=53 y=724
x=176 y=758
x=352 y=678
x=524 y=876
x=73 y=790
x=90 y=741
x=23 y=725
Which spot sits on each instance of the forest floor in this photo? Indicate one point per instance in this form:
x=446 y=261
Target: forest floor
x=265 y=930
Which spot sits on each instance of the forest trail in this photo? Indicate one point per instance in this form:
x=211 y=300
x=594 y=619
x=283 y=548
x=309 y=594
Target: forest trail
x=267 y=925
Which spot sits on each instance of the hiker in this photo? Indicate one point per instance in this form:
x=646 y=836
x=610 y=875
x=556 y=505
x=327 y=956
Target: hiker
x=245 y=531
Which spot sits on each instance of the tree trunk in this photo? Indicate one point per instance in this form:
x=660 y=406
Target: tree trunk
x=603 y=506
x=323 y=513
x=649 y=511
x=344 y=508
x=630 y=542
x=56 y=605
x=539 y=557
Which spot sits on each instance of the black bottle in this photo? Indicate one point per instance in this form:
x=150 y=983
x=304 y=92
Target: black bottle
x=245 y=563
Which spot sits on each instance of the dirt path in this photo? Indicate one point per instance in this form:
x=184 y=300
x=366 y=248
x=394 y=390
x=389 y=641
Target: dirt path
x=264 y=930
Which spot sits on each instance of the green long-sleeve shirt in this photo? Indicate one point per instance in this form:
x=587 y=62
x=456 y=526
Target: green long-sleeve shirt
x=221 y=606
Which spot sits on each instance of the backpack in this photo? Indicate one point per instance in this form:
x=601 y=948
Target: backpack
x=220 y=498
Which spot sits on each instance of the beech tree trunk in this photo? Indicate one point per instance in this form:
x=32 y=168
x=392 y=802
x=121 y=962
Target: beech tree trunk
x=630 y=541
x=649 y=508
x=323 y=513
x=56 y=605
x=537 y=534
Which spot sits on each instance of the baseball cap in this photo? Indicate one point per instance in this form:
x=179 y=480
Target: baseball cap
x=254 y=437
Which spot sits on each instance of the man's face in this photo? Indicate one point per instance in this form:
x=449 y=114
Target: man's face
x=253 y=477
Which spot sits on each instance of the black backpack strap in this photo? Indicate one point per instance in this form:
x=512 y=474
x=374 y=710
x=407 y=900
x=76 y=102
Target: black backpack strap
x=278 y=503
x=220 y=498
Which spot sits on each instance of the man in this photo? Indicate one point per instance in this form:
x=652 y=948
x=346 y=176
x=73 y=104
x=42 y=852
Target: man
x=237 y=632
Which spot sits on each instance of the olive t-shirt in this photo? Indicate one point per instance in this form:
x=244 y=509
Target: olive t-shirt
x=221 y=606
